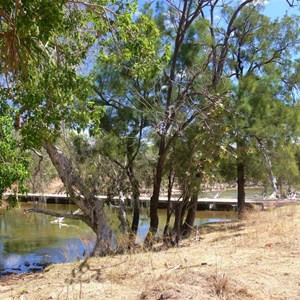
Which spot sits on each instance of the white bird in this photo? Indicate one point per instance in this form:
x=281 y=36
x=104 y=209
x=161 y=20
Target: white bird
x=58 y=220
x=216 y=195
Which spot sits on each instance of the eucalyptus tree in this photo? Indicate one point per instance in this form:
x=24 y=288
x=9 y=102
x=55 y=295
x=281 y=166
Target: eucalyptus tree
x=263 y=99
x=51 y=40
x=47 y=91
x=193 y=160
x=193 y=85
x=183 y=93
x=128 y=100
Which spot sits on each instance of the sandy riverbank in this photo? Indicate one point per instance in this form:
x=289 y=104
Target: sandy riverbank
x=255 y=259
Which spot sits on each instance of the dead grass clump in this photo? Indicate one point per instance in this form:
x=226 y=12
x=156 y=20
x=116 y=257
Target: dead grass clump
x=223 y=288
x=192 y=278
x=162 y=290
x=173 y=289
x=220 y=286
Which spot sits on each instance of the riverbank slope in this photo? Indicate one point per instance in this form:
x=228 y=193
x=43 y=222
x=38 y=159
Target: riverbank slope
x=254 y=259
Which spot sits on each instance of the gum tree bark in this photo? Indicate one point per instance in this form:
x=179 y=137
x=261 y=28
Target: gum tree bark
x=92 y=207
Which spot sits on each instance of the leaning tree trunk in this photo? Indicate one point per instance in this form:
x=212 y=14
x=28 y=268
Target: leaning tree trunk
x=91 y=206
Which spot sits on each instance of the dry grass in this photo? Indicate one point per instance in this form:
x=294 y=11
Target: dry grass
x=254 y=259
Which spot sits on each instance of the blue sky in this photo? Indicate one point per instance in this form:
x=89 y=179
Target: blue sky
x=277 y=8
x=274 y=8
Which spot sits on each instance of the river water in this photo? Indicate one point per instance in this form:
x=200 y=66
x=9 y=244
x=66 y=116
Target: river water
x=29 y=242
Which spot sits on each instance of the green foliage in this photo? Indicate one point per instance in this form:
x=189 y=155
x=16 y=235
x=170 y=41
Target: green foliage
x=26 y=28
x=196 y=155
x=265 y=116
x=13 y=164
x=287 y=170
x=44 y=46
x=133 y=47
x=192 y=50
x=53 y=98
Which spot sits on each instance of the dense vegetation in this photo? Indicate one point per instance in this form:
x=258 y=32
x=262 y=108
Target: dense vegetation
x=173 y=92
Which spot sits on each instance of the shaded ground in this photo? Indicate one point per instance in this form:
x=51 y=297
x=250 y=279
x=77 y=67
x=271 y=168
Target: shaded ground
x=255 y=259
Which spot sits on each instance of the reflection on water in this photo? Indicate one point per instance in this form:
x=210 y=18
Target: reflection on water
x=202 y=217
x=28 y=242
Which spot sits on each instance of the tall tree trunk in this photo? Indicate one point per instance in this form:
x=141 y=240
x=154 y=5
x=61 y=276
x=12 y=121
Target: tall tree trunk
x=241 y=188
x=280 y=186
x=92 y=207
x=190 y=218
x=179 y=215
x=177 y=225
x=132 y=152
x=268 y=161
x=122 y=208
x=192 y=206
x=156 y=192
x=272 y=177
x=135 y=186
x=169 y=208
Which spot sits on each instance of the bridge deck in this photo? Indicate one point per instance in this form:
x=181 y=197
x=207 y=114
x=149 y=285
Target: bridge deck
x=64 y=198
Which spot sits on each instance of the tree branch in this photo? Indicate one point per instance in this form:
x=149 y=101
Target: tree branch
x=270 y=60
x=104 y=101
x=224 y=50
x=93 y=6
x=55 y=214
x=139 y=142
x=41 y=157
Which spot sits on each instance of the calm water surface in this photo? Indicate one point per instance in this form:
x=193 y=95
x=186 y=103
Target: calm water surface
x=28 y=242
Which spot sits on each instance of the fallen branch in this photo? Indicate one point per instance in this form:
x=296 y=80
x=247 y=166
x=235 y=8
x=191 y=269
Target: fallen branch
x=55 y=214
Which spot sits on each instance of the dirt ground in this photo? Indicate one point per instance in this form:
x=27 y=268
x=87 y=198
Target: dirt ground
x=258 y=258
